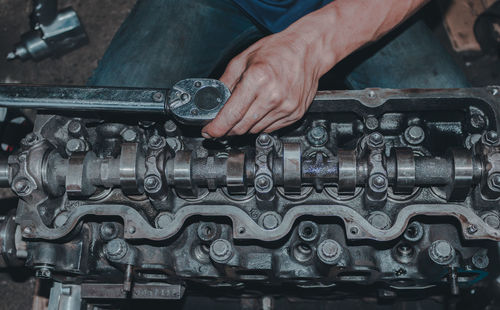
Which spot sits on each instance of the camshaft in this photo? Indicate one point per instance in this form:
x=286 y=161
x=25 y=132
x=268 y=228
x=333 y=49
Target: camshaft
x=272 y=164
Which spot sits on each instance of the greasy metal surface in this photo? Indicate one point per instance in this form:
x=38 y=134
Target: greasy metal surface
x=345 y=195
x=197 y=101
x=82 y=99
x=240 y=219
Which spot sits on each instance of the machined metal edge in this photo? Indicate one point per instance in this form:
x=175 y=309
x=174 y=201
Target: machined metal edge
x=356 y=226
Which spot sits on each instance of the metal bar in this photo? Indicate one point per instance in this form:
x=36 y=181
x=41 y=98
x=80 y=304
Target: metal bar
x=83 y=98
x=139 y=291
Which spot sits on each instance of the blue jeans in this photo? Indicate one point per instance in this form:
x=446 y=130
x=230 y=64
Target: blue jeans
x=164 y=41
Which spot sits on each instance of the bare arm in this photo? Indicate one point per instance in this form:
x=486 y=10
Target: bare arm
x=274 y=81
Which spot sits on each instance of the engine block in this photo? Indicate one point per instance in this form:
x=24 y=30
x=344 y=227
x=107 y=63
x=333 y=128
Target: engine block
x=395 y=189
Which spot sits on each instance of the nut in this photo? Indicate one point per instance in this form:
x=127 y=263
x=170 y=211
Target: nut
x=495 y=181
x=264 y=139
x=152 y=183
x=375 y=140
x=491 y=137
x=263 y=183
x=22 y=186
x=156 y=142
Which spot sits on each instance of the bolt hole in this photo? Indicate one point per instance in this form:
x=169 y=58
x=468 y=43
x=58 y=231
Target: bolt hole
x=207 y=230
x=354 y=230
x=307 y=231
x=302 y=252
x=241 y=230
x=412 y=231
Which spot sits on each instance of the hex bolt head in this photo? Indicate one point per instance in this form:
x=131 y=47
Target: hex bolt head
x=116 y=249
x=329 y=252
x=43 y=273
x=414 y=135
x=378 y=181
x=317 y=136
x=264 y=139
x=495 y=181
x=379 y=220
x=75 y=127
x=263 y=183
x=269 y=220
x=129 y=135
x=152 y=183
x=75 y=145
x=375 y=139
x=155 y=142
x=441 y=252
x=491 y=137
x=221 y=250
x=491 y=219
x=163 y=220
x=22 y=186
x=61 y=219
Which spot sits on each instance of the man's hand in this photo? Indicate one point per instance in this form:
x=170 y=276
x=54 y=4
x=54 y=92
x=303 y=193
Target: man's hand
x=274 y=81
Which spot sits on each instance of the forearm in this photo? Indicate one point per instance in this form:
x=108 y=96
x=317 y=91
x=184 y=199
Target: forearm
x=343 y=26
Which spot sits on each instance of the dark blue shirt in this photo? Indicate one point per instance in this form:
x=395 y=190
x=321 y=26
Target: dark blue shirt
x=276 y=15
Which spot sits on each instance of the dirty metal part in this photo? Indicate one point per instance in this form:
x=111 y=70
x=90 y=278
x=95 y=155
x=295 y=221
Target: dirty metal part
x=190 y=101
x=197 y=101
x=53 y=33
x=128 y=209
x=139 y=291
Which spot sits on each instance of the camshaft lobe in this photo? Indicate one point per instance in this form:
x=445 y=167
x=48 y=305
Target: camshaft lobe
x=369 y=167
x=403 y=171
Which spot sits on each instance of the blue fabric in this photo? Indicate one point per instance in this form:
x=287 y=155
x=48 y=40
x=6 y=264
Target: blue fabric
x=164 y=41
x=276 y=15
